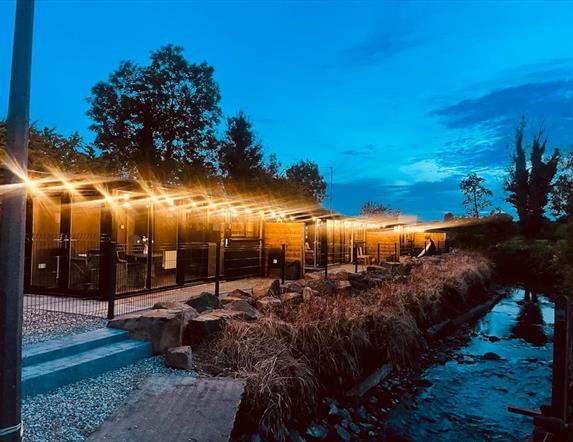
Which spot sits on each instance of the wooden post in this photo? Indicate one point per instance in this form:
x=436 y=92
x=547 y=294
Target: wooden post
x=561 y=353
x=217 y=267
x=283 y=263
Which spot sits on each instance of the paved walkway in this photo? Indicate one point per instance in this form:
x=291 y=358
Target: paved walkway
x=176 y=409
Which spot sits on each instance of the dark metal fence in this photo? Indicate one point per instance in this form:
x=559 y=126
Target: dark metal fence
x=119 y=279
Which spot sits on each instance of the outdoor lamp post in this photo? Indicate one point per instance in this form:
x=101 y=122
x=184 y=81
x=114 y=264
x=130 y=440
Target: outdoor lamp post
x=12 y=226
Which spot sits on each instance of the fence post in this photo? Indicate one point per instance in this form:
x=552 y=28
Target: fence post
x=561 y=350
x=355 y=259
x=217 y=267
x=283 y=263
x=262 y=258
x=326 y=259
x=107 y=275
x=396 y=259
x=378 y=254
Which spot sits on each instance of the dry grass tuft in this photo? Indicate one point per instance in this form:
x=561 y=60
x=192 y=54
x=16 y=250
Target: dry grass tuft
x=327 y=344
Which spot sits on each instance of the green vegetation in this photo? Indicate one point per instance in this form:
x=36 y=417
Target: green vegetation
x=528 y=188
x=472 y=186
x=373 y=208
x=161 y=122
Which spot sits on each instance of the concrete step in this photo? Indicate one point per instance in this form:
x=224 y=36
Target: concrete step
x=50 y=374
x=68 y=345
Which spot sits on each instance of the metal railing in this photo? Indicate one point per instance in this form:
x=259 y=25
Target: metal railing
x=129 y=279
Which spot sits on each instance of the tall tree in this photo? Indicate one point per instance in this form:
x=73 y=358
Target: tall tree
x=370 y=208
x=528 y=189
x=305 y=178
x=562 y=192
x=240 y=155
x=158 y=120
x=49 y=149
x=517 y=183
x=475 y=192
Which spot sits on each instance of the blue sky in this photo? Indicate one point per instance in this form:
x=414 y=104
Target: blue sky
x=400 y=98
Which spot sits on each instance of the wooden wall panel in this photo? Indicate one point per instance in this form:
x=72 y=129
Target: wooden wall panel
x=291 y=234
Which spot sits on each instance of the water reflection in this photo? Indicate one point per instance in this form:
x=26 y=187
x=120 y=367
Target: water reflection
x=529 y=321
x=468 y=396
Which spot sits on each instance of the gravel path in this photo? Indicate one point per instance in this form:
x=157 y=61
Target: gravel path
x=41 y=325
x=73 y=412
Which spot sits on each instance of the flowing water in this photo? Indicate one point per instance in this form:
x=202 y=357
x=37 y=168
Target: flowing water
x=468 y=396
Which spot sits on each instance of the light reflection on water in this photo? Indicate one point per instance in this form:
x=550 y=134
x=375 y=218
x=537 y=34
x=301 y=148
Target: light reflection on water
x=468 y=399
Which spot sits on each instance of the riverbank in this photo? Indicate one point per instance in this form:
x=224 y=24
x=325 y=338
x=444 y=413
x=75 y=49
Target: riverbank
x=330 y=340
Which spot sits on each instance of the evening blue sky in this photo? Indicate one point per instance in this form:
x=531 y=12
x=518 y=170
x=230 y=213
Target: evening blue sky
x=400 y=98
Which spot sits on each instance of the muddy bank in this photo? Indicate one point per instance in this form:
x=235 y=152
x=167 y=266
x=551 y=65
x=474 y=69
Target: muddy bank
x=337 y=334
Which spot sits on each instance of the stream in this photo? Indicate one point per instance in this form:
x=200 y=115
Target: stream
x=505 y=360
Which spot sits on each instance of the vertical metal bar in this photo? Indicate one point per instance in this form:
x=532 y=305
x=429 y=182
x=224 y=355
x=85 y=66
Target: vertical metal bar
x=65 y=241
x=180 y=252
x=378 y=254
x=29 y=243
x=355 y=259
x=150 y=227
x=108 y=263
x=396 y=258
x=561 y=350
x=217 y=266
x=283 y=263
x=13 y=227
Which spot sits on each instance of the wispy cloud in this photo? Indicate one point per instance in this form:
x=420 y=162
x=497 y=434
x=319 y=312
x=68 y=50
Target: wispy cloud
x=485 y=125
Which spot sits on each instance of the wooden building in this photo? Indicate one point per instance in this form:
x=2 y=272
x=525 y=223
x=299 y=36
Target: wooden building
x=158 y=237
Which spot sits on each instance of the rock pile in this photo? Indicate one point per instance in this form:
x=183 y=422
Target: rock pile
x=171 y=324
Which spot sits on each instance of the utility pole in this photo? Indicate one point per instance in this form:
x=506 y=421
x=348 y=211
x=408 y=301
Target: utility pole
x=12 y=227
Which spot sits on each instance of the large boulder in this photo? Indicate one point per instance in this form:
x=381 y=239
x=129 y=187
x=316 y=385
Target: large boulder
x=206 y=326
x=381 y=269
x=343 y=288
x=241 y=305
x=268 y=303
x=325 y=287
x=230 y=299
x=267 y=288
x=308 y=294
x=291 y=298
x=171 y=305
x=238 y=293
x=339 y=275
x=313 y=276
x=294 y=286
x=163 y=327
x=204 y=301
x=179 y=357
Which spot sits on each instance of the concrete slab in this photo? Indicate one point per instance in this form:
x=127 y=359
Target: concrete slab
x=176 y=409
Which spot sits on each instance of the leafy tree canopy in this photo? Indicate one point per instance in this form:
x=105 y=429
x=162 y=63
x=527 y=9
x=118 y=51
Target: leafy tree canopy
x=370 y=208
x=475 y=193
x=562 y=192
x=305 y=178
x=158 y=120
x=529 y=187
x=240 y=155
x=48 y=149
